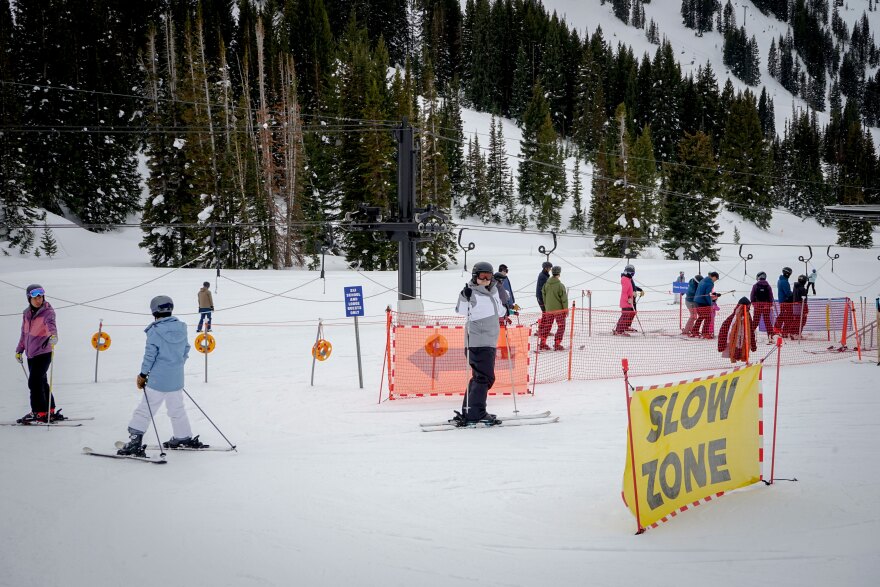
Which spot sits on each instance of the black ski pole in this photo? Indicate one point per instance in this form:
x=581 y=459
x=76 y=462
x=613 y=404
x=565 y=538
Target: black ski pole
x=232 y=446
x=153 y=420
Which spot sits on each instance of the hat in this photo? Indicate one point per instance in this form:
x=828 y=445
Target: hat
x=34 y=287
x=161 y=305
x=744 y=301
x=761 y=275
x=698 y=277
x=713 y=274
x=546 y=265
x=502 y=267
x=206 y=284
x=499 y=276
x=556 y=270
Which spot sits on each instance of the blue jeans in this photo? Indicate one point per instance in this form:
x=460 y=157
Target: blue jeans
x=205 y=315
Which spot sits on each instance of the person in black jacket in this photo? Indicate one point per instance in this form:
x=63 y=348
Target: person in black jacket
x=762 y=302
x=543 y=276
x=799 y=307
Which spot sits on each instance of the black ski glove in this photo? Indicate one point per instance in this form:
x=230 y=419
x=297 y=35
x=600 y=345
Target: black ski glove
x=467 y=292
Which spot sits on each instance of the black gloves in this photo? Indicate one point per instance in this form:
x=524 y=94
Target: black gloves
x=467 y=292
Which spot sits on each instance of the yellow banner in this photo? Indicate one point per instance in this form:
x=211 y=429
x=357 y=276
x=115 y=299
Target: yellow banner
x=693 y=441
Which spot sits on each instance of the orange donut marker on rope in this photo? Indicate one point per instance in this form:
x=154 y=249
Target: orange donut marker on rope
x=205 y=343
x=322 y=349
x=436 y=345
x=101 y=341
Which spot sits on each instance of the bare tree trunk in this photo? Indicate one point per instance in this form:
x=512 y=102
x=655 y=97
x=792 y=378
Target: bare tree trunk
x=266 y=146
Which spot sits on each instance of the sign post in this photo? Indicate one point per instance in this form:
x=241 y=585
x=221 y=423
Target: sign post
x=354 y=307
x=680 y=288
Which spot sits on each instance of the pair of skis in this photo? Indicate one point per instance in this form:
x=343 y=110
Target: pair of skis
x=66 y=422
x=518 y=420
x=155 y=460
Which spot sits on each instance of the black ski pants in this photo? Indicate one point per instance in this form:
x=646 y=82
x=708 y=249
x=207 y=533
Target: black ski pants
x=38 y=383
x=482 y=362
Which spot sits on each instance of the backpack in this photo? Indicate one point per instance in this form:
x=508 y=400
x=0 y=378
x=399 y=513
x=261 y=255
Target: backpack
x=762 y=293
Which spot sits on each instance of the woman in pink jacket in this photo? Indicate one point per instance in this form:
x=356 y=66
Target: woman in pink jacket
x=38 y=339
x=627 y=302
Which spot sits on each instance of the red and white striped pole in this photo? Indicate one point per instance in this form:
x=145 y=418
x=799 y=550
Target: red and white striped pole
x=632 y=457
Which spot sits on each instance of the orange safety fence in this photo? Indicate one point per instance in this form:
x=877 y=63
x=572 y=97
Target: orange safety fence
x=426 y=353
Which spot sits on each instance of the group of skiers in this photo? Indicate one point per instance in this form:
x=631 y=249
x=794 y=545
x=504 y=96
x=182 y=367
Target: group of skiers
x=160 y=377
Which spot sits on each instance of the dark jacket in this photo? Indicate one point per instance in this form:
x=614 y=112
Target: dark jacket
x=761 y=292
x=703 y=297
x=692 y=290
x=783 y=290
x=543 y=276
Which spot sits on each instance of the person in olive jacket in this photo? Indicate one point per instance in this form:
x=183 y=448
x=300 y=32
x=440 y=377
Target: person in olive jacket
x=555 y=297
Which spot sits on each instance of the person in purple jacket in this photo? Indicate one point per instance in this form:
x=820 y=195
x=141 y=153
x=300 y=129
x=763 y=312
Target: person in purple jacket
x=39 y=335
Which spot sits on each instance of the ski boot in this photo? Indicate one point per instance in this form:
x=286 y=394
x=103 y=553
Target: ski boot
x=135 y=446
x=490 y=420
x=28 y=418
x=55 y=415
x=187 y=442
x=458 y=419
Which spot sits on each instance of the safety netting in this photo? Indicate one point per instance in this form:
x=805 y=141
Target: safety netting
x=426 y=354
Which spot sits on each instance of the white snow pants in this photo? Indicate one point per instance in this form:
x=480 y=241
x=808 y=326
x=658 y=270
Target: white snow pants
x=140 y=420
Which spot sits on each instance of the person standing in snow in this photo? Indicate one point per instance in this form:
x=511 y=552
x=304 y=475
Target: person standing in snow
x=206 y=306
x=508 y=288
x=733 y=340
x=627 y=301
x=705 y=299
x=761 y=300
x=503 y=294
x=161 y=379
x=811 y=281
x=785 y=297
x=556 y=302
x=480 y=302
x=690 y=304
x=39 y=335
x=680 y=279
x=799 y=307
x=543 y=276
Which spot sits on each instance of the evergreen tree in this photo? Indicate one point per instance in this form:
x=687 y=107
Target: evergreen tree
x=589 y=105
x=47 y=242
x=310 y=39
x=476 y=202
x=452 y=146
x=498 y=176
x=666 y=98
x=578 y=222
x=541 y=175
x=766 y=115
x=745 y=184
x=801 y=187
x=522 y=85
x=690 y=209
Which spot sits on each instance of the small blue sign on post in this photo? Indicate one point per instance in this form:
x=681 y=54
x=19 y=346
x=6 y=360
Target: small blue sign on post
x=354 y=301
x=679 y=287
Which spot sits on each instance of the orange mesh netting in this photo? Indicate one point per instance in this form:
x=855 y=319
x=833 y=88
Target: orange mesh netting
x=426 y=353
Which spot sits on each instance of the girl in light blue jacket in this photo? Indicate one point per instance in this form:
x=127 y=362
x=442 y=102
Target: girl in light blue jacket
x=161 y=379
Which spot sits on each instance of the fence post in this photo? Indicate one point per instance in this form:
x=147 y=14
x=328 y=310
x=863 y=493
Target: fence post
x=571 y=341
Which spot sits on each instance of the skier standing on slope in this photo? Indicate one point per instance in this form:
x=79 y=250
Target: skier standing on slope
x=785 y=298
x=690 y=304
x=479 y=301
x=206 y=307
x=39 y=335
x=161 y=379
x=628 y=295
x=555 y=296
x=762 y=301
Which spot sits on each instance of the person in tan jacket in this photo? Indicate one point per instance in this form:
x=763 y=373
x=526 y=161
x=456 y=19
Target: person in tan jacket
x=206 y=306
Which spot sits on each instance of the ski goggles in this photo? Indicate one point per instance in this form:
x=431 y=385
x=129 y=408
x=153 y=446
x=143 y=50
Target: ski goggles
x=485 y=275
x=35 y=293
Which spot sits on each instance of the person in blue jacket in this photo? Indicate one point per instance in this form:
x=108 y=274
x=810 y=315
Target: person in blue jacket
x=543 y=276
x=508 y=288
x=704 y=299
x=785 y=297
x=161 y=379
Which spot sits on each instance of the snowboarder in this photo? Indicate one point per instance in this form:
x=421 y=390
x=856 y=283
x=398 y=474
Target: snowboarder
x=161 y=379
x=206 y=306
x=479 y=301
x=732 y=337
x=762 y=303
x=785 y=298
x=508 y=288
x=39 y=335
x=705 y=299
x=690 y=304
x=811 y=281
x=543 y=276
x=627 y=301
x=555 y=297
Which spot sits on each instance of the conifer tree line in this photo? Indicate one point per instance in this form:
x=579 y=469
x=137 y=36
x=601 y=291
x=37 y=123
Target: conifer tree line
x=263 y=124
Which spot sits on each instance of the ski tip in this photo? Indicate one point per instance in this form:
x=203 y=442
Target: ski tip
x=87 y=450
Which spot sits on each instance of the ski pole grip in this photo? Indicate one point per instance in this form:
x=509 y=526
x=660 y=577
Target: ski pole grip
x=625 y=363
